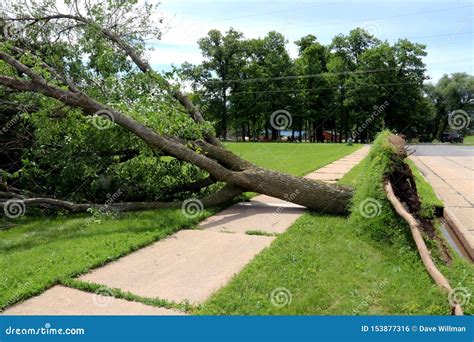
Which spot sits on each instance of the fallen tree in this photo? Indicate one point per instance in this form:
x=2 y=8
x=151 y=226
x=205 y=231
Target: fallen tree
x=388 y=209
x=400 y=188
x=430 y=266
x=24 y=69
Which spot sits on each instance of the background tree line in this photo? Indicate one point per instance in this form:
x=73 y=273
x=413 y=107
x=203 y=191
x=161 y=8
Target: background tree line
x=354 y=86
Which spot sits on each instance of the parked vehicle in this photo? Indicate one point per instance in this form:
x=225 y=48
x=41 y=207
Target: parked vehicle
x=452 y=138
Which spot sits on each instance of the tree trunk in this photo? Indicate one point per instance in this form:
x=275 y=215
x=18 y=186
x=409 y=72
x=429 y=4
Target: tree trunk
x=317 y=195
x=209 y=154
x=319 y=133
x=224 y=113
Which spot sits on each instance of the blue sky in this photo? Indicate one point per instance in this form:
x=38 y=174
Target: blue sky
x=446 y=27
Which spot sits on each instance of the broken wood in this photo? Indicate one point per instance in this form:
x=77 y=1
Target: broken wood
x=414 y=224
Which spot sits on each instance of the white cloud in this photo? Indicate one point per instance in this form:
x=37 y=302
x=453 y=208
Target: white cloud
x=174 y=55
x=185 y=24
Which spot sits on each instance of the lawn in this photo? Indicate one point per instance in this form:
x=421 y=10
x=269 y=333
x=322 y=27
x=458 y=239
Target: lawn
x=336 y=265
x=328 y=268
x=37 y=253
x=469 y=140
x=321 y=265
x=42 y=252
x=294 y=158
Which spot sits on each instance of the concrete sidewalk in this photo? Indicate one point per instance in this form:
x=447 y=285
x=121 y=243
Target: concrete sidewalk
x=191 y=264
x=452 y=178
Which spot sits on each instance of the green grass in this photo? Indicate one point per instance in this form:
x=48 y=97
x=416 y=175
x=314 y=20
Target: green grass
x=293 y=158
x=469 y=140
x=353 y=175
x=336 y=265
x=42 y=252
x=329 y=265
x=118 y=293
x=260 y=233
x=37 y=253
x=328 y=268
x=429 y=200
x=460 y=273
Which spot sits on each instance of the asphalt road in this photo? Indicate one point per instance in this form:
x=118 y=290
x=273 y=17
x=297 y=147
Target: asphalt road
x=453 y=150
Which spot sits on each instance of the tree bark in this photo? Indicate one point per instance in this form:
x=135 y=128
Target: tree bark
x=220 y=163
x=222 y=197
x=224 y=113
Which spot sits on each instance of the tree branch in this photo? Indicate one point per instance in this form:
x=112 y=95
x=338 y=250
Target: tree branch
x=223 y=196
x=90 y=106
x=144 y=66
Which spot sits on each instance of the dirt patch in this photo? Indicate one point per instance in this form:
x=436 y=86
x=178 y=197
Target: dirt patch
x=398 y=144
x=404 y=187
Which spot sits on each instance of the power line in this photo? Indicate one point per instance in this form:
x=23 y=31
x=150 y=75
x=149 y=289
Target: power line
x=279 y=11
x=327 y=73
x=320 y=88
x=432 y=36
x=390 y=17
x=293 y=77
x=194 y=22
x=340 y=23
